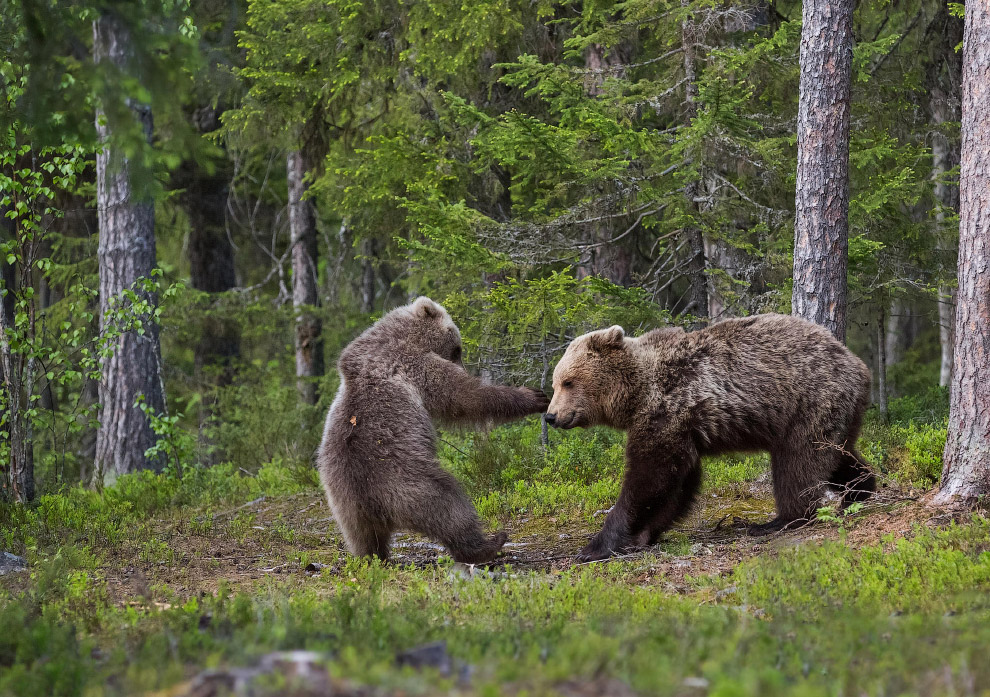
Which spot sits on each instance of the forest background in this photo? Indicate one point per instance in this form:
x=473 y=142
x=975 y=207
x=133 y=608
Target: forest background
x=203 y=202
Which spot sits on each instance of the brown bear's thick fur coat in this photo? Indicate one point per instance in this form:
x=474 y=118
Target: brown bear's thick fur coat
x=768 y=382
x=377 y=460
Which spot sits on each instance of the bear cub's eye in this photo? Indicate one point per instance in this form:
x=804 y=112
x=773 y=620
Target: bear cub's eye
x=567 y=383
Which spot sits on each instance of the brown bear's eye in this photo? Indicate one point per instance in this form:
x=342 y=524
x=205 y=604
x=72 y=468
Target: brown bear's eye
x=567 y=383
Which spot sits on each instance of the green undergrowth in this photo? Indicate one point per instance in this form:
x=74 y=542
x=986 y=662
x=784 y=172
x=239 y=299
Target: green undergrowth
x=906 y=617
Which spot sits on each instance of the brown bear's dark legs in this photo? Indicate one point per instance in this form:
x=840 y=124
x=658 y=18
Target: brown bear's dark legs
x=659 y=484
x=443 y=512
x=800 y=468
x=681 y=502
x=853 y=479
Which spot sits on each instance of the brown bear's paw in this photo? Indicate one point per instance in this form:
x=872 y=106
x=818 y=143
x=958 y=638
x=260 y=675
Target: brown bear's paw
x=595 y=550
x=484 y=553
x=776 y=525
x=536 y=401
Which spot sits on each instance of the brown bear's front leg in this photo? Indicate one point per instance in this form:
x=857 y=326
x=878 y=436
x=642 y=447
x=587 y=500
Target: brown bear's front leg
x=658 y=486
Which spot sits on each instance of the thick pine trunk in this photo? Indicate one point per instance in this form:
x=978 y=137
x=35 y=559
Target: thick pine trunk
x=966 y=473
x=302 y=225
x=821 y=226
x=126 y=254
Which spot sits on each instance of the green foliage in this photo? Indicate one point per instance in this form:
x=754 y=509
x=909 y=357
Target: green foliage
x=929 y=571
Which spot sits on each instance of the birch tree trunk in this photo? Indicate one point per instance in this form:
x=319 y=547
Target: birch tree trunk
x=966 y=472
x=302 y=226
x=126 y=253
x=821 y=225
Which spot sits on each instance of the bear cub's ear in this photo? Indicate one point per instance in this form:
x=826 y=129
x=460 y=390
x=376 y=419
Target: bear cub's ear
x=612 y=337
x=424 y=308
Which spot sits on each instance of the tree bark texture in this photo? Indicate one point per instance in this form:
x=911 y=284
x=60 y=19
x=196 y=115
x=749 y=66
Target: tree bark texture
x=966 y=472
x=309 y=329
x=821 y=225
x=126 y=253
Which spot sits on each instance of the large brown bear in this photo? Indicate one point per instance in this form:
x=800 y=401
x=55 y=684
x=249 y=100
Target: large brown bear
x=378 y=459
x=768 y=382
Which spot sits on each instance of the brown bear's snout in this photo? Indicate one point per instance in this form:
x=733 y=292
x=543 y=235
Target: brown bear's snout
x=551 y=419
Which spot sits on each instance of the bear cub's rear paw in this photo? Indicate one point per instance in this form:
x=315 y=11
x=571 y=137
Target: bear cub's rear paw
x=485 y=552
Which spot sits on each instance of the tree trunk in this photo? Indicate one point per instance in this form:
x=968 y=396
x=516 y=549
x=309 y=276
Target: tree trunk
x=966 y=472
x=821 y=225
x=697 y=298
x=368 y=275
x=126 y=254
x=882 y=361
x=302 y=225
x=944 y=83
x=604 y=258
x=210 y=252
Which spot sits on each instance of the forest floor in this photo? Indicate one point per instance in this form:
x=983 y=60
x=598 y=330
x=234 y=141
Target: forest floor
x=135 y=593
x=293 y=539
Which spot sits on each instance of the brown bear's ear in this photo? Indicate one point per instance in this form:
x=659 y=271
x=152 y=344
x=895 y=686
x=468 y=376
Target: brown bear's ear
x=612 y=337
x=425 y=308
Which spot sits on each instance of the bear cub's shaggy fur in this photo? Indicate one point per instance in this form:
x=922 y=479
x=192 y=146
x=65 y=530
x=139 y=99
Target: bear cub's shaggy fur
x=378 y=460
x=768 y=382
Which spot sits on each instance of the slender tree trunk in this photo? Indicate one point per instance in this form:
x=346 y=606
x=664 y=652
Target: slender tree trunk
x=882 y=361
x=17 y=481
x=944 y=85
x=946 y=201
x=368 y=254
x=309 y=329
x=966 y=473
x=604 y=258
x=697 y=298
x=821 y=226
x=126 y=254
x=210 y=252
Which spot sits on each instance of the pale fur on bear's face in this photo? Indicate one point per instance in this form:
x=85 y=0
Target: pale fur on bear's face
x=589 y=380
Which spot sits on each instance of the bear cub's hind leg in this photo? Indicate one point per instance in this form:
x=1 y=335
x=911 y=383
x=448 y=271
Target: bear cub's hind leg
x=442 y=511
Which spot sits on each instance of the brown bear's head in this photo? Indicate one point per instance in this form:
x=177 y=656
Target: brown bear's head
x=432 y=330
x=592 y=382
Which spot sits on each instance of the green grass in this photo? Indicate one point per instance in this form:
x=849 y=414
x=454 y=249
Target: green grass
x=901 y=617
x=907 y=615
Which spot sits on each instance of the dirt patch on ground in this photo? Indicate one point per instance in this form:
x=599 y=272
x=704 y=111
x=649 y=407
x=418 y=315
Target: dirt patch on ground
x=290 y=540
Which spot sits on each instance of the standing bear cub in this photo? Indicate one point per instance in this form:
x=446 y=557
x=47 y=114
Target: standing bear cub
x=768 y=382
x=378 y=459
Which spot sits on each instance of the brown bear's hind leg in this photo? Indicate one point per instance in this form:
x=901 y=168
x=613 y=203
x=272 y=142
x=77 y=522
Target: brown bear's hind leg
x=853 y=479
x=798 y=474
x=442 y=511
